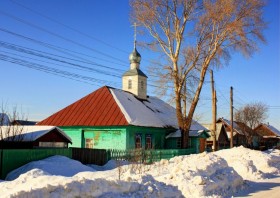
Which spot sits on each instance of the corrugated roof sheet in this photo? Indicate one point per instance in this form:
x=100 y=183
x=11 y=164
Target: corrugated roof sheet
x=114 y=107
x=96 y=109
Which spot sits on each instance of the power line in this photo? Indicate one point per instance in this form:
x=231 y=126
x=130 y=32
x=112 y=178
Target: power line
x=51 y=70
x=57 y=35
x=54 y=47
x=68 y=27
x=42 y=55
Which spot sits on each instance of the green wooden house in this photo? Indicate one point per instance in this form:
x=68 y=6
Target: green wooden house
x=197 y=138
x=111 y=118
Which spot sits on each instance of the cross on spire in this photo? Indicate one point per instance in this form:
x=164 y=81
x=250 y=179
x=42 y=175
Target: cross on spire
x=135 y=34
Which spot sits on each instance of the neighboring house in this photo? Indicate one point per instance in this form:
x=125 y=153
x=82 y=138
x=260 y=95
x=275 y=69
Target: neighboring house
x=252 y=138
x=197 y=138
x=4 y=119
x=270 y=136
x=110 y=118
x=23 y=122
x=26 y=137
x=239 y=137
x=222 y=140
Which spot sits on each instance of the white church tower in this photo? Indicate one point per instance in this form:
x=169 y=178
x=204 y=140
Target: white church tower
x=134 y=80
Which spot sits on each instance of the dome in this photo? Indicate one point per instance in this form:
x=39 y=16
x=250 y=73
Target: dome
x=135 y=57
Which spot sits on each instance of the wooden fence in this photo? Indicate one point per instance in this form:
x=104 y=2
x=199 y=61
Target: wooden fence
x=90 y=156
x=14 y=158
x=147 y=156
x=11 y=159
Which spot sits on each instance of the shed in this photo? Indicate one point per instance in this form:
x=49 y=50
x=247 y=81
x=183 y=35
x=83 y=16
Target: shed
x=26 y=137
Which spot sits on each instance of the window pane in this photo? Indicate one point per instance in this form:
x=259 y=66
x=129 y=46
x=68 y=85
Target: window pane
x=138 y=143
x=148 y=141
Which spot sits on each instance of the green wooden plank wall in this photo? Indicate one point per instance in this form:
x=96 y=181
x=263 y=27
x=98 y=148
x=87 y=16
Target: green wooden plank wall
x=14 y=158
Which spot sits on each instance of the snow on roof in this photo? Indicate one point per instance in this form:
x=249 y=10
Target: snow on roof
x=151 y=113
x=219 y=127
x=4 y=119
x=195 y=130
x=273 y=129
x=235 y=126
x=28 y=133
x=228 y=134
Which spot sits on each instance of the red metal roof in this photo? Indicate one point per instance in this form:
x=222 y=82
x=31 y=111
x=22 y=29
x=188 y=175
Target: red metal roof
x=96 y=109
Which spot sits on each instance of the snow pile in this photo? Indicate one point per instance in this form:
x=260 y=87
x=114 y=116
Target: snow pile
x=218 y=174
x=201 y=175
x=252 y=164
x=55 y=165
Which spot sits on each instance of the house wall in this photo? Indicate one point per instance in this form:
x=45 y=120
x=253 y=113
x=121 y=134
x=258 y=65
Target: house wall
x=75 y=133
x=115 y=137
x=171 y=143
x=102 y=137
x=157 y=135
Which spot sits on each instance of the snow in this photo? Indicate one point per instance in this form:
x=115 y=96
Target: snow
x=151 y=113
x=235 y=125
x=55 y=165
x=28 y=133
x=195 y=130
x=219 y=174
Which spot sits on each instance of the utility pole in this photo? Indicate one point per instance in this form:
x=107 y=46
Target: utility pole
x=231 y=117
x=214 y=112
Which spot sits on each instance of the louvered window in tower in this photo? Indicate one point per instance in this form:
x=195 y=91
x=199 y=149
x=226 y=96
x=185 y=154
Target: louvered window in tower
x=129 y=84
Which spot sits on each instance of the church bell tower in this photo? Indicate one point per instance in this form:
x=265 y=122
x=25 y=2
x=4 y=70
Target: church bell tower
x=134 y=80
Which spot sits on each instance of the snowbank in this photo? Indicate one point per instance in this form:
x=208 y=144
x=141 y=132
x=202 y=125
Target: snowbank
x=55 y=165
x=252 y=164
x=218 y=174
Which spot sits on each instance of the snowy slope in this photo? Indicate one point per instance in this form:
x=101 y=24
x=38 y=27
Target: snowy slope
x=218 y=174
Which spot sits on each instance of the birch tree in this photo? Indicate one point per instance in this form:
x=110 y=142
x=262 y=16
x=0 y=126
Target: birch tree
x=193 y=35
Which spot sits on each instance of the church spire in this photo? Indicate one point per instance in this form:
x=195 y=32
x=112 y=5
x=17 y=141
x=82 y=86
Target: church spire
x=134 y=57
x=134 y=80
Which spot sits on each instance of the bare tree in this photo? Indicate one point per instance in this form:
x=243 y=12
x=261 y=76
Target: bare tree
x=8 y=132
x=252 y=114
x=193 y=35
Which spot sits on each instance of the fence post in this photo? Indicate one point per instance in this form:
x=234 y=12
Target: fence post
x=1 y=163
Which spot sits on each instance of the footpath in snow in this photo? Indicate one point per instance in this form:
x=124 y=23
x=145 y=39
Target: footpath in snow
x=226 y=173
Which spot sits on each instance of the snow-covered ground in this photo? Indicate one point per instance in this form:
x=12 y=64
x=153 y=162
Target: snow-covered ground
x=220 y=174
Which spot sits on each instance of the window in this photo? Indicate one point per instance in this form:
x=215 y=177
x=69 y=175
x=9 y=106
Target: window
x=129 y=84
x=148 y=141
x=89 y=143
x=179 y=143
x=53 y=144
x=138 y=142
x=142 y=84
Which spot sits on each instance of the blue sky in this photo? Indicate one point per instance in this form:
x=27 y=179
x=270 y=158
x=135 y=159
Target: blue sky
x=97 y=37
